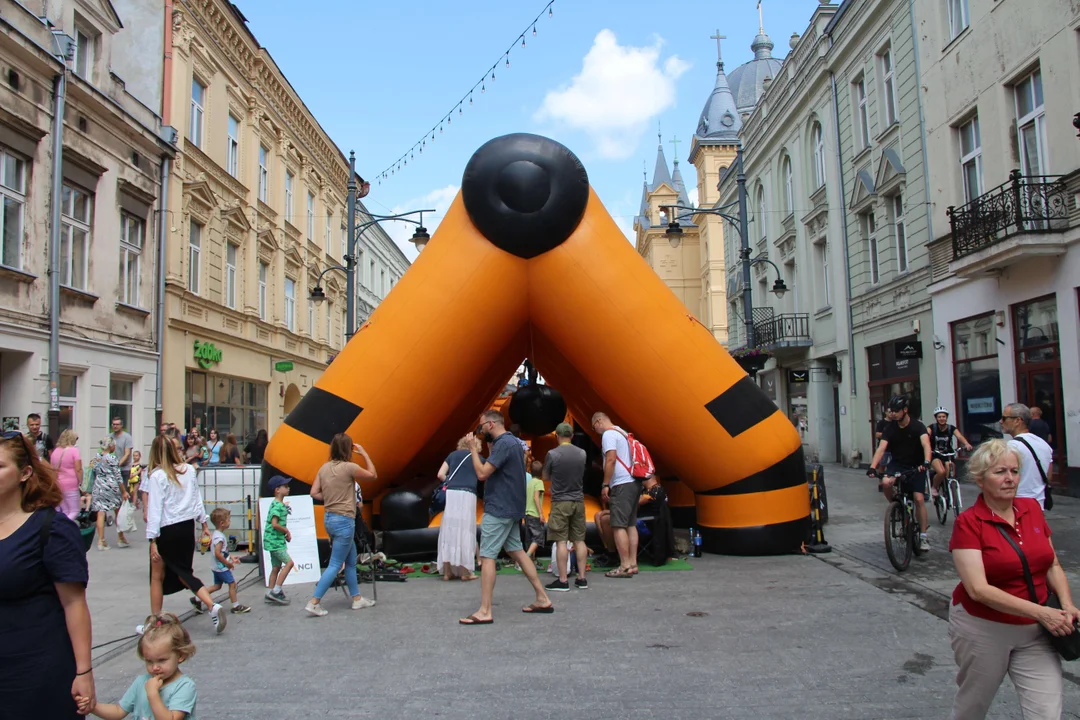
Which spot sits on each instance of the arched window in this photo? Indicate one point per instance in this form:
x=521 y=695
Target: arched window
x=762 y=223
x=789 y=195
x=817 y=142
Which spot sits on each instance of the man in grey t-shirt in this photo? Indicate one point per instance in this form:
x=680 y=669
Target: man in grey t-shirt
x=564 y=468
x=124 y=445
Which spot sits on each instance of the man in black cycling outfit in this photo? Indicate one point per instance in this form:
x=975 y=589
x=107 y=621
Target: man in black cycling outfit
x=941 y=438
x=906 y=438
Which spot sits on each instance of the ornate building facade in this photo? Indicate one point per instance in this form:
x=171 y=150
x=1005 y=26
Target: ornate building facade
x=112 y=147
x=256 y=213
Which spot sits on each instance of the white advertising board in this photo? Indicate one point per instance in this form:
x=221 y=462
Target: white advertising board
x=304 y=548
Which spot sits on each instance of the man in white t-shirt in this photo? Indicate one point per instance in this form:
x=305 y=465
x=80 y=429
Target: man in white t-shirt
x=621 y=491
x=1015 y=419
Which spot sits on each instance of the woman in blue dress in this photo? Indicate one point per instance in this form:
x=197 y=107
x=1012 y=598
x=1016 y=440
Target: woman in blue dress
x=44 y=620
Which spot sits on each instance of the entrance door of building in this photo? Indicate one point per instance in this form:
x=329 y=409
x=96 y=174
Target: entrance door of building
x=1038 y=368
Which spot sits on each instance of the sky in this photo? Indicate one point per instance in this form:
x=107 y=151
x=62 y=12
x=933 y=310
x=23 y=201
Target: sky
x=603 y=77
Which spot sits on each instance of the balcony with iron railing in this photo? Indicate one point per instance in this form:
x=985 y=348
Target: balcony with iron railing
x=776 y=332
x=1022 y=217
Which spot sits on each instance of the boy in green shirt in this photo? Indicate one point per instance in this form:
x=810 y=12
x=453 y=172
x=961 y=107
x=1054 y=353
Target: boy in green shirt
x=275 y=535
x=534 y=508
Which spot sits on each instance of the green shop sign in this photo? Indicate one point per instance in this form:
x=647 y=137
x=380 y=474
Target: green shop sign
x=207 y=354
x=283 y=366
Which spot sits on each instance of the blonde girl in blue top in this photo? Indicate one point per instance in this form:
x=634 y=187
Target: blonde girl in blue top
x=162 y=691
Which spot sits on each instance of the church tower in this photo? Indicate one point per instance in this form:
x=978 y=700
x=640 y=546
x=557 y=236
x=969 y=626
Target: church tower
x=676 y=266
x=712 y=151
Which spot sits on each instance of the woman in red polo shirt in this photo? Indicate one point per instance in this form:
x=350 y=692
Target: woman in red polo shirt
x=994 y=626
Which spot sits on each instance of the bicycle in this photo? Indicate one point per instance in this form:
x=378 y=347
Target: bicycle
x=948 y=497
x=901 y=523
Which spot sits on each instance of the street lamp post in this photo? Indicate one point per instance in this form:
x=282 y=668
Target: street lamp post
x=674 y=235
x=420 y=238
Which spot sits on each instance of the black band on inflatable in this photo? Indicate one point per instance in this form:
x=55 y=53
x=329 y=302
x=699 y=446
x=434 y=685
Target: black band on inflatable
x=789 y=472
x=525 y=193
x=741 y=407
x=322 y=415
x=776 y=539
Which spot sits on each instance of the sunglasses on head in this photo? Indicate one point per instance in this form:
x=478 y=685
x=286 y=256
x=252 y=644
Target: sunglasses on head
x=10 y=435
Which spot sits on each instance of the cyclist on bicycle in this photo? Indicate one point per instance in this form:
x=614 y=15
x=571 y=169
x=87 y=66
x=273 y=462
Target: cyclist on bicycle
x=941 y=440
x=906 y=438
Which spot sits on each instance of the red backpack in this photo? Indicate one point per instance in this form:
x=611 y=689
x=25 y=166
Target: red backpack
x=641 y=462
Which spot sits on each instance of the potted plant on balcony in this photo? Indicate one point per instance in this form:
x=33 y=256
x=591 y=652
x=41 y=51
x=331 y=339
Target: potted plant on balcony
x=752 y=360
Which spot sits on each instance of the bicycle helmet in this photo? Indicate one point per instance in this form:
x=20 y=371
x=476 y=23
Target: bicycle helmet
x=898 y=403
x=940 y=410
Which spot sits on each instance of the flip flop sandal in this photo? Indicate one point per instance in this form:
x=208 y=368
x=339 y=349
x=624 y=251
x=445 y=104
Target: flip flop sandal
x=634 y=570
x=473 y=620
x=535 y=609
x=618 y=573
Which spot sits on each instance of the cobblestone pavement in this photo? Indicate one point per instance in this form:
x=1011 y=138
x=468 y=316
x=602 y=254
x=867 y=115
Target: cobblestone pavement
x=833 y=637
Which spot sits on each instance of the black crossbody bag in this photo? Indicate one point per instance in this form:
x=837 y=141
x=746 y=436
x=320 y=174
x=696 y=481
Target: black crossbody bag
x=1048 y=504
x=1067 y=646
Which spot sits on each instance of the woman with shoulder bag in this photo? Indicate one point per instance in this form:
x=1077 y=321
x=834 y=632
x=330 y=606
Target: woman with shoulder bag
x=69 y=471
x=457 y=530
x=1000 y=621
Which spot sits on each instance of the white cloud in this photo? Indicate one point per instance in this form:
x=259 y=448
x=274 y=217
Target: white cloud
x=438 y=199
x=617 y=94
x=692 y=194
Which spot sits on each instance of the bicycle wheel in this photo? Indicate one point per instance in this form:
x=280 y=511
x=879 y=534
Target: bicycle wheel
x=897 y=543
x=957 y=503
x=941 y=507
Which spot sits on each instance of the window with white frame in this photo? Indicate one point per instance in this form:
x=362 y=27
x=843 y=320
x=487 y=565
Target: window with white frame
x=958 y=16
x=289 y=179
x=132 y=236
x=821 y=250
x=789 y=194
x=264 y=270
x=69 y=393
x=121 y=400
x=232 y=159
x=971 y=158
x=76 y=207
x=344 y=329
x=329 y=224
x=290 y=304
x=888 y=86
x=194 y=257
x=762 y=220
x=13 y=199
x=1031 y=124
x=310 y=216
x=382 y=283
x=900 y=230
x=371 y=276
x=83 y=64
x=230 y=275
x=345 y=244
x=329 y=315
x=869 y=233
x=264 y=171
x=311 y=317
x=817 y=142
x=198 y=103
x=862 y=117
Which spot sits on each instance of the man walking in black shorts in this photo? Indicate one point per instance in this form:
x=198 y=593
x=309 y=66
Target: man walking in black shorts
x=907 y=440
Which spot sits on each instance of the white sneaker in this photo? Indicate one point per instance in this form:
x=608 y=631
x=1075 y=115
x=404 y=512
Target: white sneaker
x=924 y=544
x=362 y=603
x=316 y=609
x=218 y=618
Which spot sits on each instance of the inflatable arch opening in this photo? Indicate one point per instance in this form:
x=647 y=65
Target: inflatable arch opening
x=528 y=263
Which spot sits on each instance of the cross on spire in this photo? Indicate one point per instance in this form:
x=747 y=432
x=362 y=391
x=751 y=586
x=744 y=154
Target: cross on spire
x=675 y=144
x=719 y=57
x=761 y=21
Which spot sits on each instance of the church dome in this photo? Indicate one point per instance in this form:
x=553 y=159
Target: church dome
x=747 y=82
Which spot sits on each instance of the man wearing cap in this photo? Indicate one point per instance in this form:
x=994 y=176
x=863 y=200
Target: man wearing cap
x=564 y=468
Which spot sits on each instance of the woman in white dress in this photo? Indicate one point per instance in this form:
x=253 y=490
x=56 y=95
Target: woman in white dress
x=457 y=532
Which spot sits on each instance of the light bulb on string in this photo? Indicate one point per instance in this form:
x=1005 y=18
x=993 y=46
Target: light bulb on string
x=522 y=41
x=459 y=111
x=550 y=11
x=508 y=60
x=534 y=31
x=483 y=88
x=470 y=98
x=492 y=74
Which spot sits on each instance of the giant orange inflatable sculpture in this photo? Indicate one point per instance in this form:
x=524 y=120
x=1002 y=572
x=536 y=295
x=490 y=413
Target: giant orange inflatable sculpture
x=528 y=263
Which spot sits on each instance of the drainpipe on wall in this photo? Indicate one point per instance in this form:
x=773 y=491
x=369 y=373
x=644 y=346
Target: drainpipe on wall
x=922 y=125
x=844 y=225
x=62 y=44
x=159 y=309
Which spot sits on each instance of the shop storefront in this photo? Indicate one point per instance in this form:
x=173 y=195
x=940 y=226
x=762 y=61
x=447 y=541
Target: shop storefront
x=977 y=377
x=798 y=410
x=892 y=374
x=229 y=405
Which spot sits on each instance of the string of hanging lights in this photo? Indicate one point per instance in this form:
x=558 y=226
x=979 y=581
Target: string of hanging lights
x=467 y=99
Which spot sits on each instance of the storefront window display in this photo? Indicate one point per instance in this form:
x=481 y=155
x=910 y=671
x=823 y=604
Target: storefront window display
x=891 y=376
x=226 y=404
x=1038 y=365
x=978 y=382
